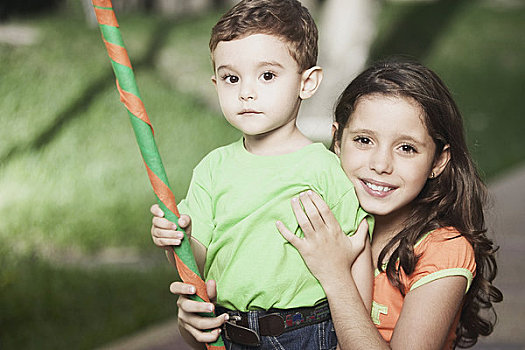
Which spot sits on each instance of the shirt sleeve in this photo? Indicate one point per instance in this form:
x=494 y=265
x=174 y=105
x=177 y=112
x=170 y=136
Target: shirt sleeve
x=443 y=253
x=349 y=213
x=339 y=193
x=198 y=204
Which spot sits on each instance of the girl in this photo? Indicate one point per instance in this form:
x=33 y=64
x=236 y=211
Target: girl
x=400 y=139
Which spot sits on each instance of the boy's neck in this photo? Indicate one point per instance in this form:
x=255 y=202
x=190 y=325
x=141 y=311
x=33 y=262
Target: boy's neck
x=273 y=144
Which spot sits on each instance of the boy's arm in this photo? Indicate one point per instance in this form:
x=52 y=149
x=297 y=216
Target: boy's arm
x=199 y=252
x=192 y=326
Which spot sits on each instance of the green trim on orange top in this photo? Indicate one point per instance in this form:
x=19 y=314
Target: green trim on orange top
x=457 y=271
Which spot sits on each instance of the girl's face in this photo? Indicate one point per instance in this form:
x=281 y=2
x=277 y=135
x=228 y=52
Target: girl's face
x=388 y=154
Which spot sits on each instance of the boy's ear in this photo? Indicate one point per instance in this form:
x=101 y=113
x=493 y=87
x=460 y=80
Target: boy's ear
x=335 y=141
x=441 y=162
x=214 y=80
x=310 y=81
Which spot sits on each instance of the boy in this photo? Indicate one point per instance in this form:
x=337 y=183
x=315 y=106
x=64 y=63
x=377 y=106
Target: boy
x=264 y=54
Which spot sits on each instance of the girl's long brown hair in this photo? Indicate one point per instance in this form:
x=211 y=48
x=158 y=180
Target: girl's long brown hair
x=455 y=198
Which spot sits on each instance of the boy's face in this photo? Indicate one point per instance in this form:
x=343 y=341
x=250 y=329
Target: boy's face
x=258 y=83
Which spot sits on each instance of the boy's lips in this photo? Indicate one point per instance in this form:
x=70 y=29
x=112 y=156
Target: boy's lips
x=377 y=188
x=247 y=112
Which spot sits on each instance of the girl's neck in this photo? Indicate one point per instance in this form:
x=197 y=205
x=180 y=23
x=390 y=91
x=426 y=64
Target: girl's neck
x=385 y=228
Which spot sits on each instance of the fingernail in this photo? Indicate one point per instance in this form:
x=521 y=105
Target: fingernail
x=295 y=199
x=192 y=290
x=226 y=317
x=180 y=235
x=173 y=226
x=210 y=308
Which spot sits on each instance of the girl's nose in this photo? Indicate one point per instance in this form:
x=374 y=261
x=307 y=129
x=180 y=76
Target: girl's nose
x=381 y=161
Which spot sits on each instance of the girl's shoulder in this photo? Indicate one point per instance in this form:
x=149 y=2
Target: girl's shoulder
x=443 y=237
x=442 y=252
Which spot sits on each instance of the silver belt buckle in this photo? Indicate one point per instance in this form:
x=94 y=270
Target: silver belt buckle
x=239 y=334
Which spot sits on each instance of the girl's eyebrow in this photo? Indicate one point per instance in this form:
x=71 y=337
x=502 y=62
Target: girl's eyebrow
x=403 y=137
x=361 y=130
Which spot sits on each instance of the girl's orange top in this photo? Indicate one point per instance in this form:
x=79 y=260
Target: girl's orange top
x=443 y=252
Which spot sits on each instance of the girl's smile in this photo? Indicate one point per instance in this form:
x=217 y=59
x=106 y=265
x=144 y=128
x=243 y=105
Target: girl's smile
x=387 y=153
x=377 y=188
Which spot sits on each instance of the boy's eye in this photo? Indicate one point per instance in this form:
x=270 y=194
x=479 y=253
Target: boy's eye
x=408 y=149
x=267 y=76
x=232 y=79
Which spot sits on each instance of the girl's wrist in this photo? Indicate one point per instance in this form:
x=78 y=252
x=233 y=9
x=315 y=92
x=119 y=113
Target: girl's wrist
x=332 y=282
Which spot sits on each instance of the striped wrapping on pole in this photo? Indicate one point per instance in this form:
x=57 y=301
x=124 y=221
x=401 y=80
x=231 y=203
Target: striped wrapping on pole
x=130 y=97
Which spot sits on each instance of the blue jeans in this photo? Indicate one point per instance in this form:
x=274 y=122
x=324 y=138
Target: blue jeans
x=318 y=336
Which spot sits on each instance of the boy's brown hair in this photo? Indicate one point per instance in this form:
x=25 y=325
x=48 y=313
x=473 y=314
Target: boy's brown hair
x=286 y=19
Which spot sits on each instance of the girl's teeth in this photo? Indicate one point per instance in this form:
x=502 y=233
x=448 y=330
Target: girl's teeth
x=378 y=188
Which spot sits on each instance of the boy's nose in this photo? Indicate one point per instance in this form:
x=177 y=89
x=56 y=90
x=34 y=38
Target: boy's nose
x=247 y=92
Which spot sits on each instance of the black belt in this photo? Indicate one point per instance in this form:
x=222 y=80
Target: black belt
x=273 y=322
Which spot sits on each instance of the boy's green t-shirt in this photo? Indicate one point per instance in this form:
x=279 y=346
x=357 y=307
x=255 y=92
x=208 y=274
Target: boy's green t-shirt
x=234 y=200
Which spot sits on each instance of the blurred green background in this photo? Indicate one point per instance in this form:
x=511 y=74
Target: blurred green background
x=77 y=265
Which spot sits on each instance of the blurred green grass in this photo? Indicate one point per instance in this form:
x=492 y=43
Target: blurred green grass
x=72 y=183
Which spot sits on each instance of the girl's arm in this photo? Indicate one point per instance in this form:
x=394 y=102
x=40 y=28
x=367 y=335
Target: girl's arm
x=426 y=317
x=428 y=311
x=363 y=273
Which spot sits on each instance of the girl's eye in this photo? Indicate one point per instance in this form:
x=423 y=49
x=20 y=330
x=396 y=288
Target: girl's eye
x=408 y=149
x=232 y=79
x=267 y=76
x=363 y=140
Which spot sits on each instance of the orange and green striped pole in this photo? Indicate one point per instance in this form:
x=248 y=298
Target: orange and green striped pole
x=129 y=95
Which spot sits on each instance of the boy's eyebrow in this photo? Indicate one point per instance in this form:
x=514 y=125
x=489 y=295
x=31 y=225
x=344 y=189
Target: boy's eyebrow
x=224 y=66
x=270 y=63
x=260 y=64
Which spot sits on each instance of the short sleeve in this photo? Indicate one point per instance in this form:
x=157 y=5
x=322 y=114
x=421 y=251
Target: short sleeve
x=350 y=214
x=339 y=193
x=198 y=204
x=442 y=253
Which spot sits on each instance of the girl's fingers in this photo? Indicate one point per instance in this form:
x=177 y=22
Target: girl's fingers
x=362 y=231
x=288 y=235
x=311 y=210
x=359 y=238
x=323 y=209
x=300 y=215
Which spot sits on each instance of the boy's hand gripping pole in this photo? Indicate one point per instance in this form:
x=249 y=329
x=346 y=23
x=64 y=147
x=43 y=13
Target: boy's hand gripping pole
x=129 y=95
